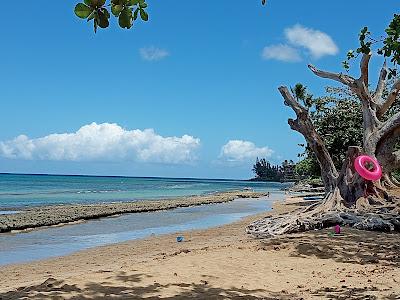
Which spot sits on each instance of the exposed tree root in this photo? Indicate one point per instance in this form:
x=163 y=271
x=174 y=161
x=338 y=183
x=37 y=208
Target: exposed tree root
x=350 y=199
x=390 y=182
x=367 y=214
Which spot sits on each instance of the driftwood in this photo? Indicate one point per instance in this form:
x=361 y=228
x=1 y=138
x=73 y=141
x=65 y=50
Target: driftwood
x=349 y=199
x=383 y=218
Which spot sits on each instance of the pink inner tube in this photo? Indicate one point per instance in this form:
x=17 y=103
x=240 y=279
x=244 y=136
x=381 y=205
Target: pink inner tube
x=359 y=165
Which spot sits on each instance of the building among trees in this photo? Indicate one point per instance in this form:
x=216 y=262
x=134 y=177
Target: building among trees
x=264 y=171
x=288 y=170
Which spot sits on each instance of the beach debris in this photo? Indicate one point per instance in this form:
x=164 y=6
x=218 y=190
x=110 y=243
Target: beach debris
x=360 y=164
x=316 y=216
x=337 y=229
x=179 y=239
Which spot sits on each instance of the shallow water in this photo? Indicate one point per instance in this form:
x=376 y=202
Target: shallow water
x=57 y=241
x=8 y=212
x=18 y=191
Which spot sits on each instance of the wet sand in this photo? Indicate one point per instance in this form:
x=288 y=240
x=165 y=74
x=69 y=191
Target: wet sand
x=219 y=263
x=62 y=214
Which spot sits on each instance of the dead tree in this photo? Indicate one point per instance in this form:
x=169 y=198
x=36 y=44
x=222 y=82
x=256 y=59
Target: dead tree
x=349 y=200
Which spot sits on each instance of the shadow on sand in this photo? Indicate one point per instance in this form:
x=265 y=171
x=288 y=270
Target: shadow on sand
x=352 y=246
x=123 y=286
x=126 y=287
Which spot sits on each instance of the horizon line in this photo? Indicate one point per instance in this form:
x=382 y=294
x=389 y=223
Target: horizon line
x=122 y=176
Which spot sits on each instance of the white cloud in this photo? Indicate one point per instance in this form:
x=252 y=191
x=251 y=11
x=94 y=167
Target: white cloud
x=281 y=52
x=153 y=53
x=238 y=150
x=105 y=142
x=317 y=42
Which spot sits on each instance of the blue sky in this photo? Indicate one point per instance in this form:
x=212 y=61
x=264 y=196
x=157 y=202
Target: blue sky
x=197 y=74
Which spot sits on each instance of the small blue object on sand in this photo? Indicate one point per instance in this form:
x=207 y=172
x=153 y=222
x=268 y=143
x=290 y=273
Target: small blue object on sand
x=179 y=239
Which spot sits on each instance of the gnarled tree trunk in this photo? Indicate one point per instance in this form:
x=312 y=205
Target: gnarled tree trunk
x=350 y=199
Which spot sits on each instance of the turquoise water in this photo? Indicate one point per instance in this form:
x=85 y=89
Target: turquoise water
x=17 y=191
x=57 y=241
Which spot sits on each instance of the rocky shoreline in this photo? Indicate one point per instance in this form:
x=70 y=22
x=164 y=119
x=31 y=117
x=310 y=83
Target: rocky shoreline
x=61 y=214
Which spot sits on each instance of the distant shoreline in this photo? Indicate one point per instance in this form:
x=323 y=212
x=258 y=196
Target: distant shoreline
x=269 y=180
x=122 y=176
x=43 y=216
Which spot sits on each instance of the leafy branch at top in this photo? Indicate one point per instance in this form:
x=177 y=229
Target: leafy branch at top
x=389 y=45
x=126 y=11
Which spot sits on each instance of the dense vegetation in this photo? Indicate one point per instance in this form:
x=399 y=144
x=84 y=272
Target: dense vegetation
x=338 y=118
x=264 y=171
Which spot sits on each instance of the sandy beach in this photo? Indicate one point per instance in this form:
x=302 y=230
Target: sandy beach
x=200 y=150
x=219 y=263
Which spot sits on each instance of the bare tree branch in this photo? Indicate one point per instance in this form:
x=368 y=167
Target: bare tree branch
x=386 y=152
x=391 y=98
x=390 y=161
x=304 y=125
x=396 y=161
x=380 y=87
x=292 y=102
x=364 y=68
x=389 y=126
x=362 y=92
x=342 y=78
x=362 y=83
x=358 y=86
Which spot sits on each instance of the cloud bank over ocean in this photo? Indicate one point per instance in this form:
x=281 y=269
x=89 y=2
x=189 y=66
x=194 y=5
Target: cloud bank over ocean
x=104 y=142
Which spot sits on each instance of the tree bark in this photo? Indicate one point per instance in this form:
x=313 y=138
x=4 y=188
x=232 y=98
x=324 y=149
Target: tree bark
x=304 y=125
x=350 y=199
x=379 y=138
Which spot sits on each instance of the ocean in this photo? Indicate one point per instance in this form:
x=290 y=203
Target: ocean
x=18 y=191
